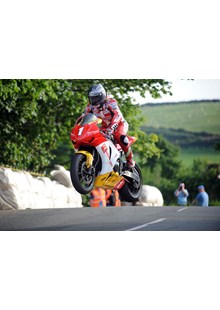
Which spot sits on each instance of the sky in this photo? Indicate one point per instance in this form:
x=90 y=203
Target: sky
x=186 y=90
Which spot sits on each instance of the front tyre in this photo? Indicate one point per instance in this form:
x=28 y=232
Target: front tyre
x=82 y=178
x=132 y=188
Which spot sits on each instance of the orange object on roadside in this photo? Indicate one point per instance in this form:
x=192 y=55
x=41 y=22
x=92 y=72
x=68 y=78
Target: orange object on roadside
x=97 y=198
x=112 y=198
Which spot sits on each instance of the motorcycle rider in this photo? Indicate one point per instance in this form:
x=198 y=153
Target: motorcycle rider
x=113 y=122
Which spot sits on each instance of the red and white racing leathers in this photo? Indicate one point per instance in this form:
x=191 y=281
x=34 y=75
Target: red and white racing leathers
x=114 y=123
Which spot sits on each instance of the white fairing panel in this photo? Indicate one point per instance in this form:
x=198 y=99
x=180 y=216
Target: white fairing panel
x=109 y=155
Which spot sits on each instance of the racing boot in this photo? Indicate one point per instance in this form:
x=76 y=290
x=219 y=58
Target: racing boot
x=125 y=143
x=129 y=158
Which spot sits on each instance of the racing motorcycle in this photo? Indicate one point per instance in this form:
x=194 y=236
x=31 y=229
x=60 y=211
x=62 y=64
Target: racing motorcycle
x=99 y=162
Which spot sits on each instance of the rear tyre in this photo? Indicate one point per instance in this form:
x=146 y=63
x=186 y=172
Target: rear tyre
x=82 y=178
x=132 y=189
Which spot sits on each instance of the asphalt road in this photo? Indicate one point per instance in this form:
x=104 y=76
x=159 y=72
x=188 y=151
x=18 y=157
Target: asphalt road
x=113 y=219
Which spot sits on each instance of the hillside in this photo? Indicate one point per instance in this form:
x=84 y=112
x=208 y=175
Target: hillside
x=193 y=126
x=190 y=116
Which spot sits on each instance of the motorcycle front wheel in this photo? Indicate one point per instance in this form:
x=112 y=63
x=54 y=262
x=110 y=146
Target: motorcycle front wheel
x=82 y=177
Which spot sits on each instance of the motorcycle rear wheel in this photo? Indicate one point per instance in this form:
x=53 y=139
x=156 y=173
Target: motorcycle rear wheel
x=132 y=189
x=82 y=178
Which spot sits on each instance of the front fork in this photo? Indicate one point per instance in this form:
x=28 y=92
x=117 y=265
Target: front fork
x=89 y=157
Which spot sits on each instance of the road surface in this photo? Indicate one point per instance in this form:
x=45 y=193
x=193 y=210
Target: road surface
x=113 y=219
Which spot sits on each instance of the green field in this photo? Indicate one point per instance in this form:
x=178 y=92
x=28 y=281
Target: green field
x=193 y=126
x=189 y=154
x=197 y=117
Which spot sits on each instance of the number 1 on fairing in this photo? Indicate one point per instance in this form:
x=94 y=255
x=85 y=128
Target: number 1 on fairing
x=80 y=131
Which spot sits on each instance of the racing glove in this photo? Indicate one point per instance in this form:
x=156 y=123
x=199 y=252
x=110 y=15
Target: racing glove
x=108 y=133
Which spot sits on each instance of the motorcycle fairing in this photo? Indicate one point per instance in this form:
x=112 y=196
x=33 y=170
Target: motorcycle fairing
x=81 y=134
x=108 y=154
x=110 y=180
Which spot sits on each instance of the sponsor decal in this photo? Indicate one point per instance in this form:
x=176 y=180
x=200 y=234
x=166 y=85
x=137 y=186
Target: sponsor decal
x=105 y=150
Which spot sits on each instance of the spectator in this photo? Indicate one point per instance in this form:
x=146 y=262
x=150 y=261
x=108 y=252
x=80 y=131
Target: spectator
x=181 y=193
x=97 y=198
x=202 y=199
x=112 y=198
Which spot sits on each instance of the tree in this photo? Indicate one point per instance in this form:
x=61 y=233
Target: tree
x=217 y=146
x=168 y=161
x=203 y=173
x=37 y=115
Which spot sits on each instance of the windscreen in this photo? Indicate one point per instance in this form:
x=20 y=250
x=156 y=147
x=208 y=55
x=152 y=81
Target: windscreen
x=88 y=118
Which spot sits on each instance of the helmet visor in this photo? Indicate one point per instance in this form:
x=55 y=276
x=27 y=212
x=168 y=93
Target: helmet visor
x=97 y=99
